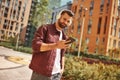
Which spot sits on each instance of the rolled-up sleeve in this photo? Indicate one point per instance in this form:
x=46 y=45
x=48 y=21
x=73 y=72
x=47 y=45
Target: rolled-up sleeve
x=38 y=39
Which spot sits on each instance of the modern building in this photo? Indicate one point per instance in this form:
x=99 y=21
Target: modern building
x=14 y=16
x=30 y=29
x=99 y=25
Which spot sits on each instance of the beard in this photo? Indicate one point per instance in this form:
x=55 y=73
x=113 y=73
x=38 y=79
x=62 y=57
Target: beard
x=61 y=24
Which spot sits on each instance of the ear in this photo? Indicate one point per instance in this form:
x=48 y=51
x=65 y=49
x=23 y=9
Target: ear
x=70 y=22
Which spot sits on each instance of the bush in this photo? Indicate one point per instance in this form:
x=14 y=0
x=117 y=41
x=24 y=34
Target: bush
x=99 y=57
x=76 y=69
x=20 y=48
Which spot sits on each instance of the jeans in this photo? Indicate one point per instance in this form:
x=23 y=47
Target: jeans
x=36 y=76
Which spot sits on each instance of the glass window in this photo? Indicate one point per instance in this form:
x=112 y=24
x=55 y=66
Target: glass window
x=119 y=44
x=105 y=24
x=114 y=28
x=99 y=25
x=97 y=40
x=91 y=8
x=87 y=40
x=79 y=26
x=101 y=5
x=89 y=26
x=103 y=40
x=0 y=20
x=114 y=43
x=119 y=34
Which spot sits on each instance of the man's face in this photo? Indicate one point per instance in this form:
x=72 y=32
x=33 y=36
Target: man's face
x=64 y=21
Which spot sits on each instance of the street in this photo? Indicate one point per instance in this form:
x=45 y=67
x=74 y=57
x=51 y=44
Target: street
x=14 y=65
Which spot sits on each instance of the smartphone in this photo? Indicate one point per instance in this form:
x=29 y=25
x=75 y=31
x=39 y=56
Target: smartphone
x=71 y=39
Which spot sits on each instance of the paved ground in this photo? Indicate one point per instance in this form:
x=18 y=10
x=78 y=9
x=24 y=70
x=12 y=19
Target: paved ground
x=14 y=65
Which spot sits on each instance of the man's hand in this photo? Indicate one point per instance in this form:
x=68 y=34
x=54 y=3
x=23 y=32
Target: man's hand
x=61 y=71
x=70 y=40
x=62 y=44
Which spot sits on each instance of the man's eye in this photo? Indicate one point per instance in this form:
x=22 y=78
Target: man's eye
x=68 y=21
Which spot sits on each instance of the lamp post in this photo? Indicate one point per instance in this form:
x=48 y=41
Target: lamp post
x=82 y=29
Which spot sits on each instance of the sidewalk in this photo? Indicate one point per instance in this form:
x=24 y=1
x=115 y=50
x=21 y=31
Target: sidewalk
x=14 y=65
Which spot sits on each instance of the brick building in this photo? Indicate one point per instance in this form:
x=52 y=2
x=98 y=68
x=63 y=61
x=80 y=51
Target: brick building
x=101 y=26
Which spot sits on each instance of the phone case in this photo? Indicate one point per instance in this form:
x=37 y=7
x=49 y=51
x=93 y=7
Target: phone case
x=71 y=40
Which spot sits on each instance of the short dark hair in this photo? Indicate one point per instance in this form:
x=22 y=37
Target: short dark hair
x=69 y=12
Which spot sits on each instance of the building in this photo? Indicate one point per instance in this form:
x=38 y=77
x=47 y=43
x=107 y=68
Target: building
x=29 y=35
x=14 y=16
x=30 y=29
x=101 y=24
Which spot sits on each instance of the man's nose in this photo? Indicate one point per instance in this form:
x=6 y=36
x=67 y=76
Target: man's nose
x=65 y=22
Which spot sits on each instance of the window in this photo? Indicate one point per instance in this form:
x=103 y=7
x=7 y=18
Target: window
x=110 y=42
x=101 y=5
x=103 y=40
x=99 y=25
x=89 y=26
x=87 y=40
x=108 y=1
x=74 y=9
x=91 y=12
x=16 y=28
x=97 y=40
x=4 y=26
x=114 y=7
x=10 y=33
x=86 y=49
x=79 y=26
x=105 y=24
x=91 y=8
x=8 y=3
x=0 y=20
x=96 y=50
x=21 y=27
x=114 y=43
x=6 y=12
x=114 y=27
x=119 y=44
x=119 y=34
x=2 y=31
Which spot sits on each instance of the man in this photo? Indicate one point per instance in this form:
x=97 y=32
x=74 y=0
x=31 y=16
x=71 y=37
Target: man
x=49 y=46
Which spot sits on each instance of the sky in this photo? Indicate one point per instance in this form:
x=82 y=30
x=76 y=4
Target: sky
x=64 y=2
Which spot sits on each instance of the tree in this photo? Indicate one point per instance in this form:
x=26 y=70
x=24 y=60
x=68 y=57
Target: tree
x=40 y=11
x=13 y=40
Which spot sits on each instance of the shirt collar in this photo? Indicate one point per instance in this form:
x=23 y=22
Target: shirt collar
x=56 y=28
